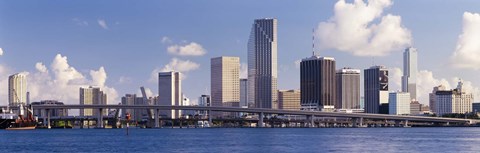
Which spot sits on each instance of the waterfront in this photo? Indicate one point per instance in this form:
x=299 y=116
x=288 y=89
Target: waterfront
x=244 y=140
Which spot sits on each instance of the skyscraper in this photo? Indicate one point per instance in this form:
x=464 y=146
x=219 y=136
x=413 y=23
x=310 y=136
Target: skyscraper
x=317 y=83
x=204 y=100
x=289 y=99
x=409 y=78
x=431 y=96
x=170 y=92
x=244 y=93
x=348 y=89
x=17 y=89
x=399 y=103
x=129 y=99
x=225 y=81
x=457 y=100
x=262 y=63
x=375 y=89
x=92 y=96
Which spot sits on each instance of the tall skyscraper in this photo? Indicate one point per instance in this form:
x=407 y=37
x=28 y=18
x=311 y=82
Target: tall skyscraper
x=348 y=89
x=432 y=98
x=17 y=89
x=262 y=63
x=225 y=82
x=170 y=92
x=375 y=89
x=92 y=96
x=399 y=103
x=289 y=99
x=244 y=93
x=409 y=78
x=453 y=101
x=317 y=83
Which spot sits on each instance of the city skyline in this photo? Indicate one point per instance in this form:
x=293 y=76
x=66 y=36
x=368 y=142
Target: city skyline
x=90 y=62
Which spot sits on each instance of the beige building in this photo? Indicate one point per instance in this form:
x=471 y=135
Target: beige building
x=289 y=99
x=17 y=89
x=92 y=96
x=453 y=101
x=225 y=81
x=170 y=92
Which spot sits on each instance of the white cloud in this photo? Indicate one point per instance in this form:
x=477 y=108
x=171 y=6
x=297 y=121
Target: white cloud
x=1 y=51
x=40 y=67
x=102 y=23
x=467 y=52
x=191 y=49
x=297 y=63
x=175 y=65
x=165 y=40
x=124 y=80
x=80 y=22
x=354 y=29
x=243 y=70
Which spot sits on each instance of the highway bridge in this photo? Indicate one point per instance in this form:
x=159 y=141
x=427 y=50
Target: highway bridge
x=357 y=118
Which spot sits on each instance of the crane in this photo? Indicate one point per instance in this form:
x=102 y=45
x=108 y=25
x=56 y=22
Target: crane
x=149 y=111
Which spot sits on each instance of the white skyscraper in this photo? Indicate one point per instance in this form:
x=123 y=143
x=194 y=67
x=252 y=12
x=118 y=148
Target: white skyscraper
x=225 y=81
x=92 y=96
x=262 y=63
x=17 y=89
x=399 y=103
x=409 y=78
x=170 y=92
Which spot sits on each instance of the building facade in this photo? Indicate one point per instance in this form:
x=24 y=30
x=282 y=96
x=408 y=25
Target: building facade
x=348 y=89
x=170 y=93
x=262 y=63
x=409 y=78
x=453 y=101
x=317 y=83
x=17 y=89
x=376 y=89
x=432 y=98
x=225 y=82
x=289 y=99
x=399 y=103
x=204 y=100
x=415 y=108
x=92 y=96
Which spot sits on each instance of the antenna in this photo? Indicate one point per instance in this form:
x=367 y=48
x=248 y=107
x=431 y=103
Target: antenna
x=313 y=41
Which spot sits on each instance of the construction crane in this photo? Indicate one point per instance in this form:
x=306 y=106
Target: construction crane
x=145 y=99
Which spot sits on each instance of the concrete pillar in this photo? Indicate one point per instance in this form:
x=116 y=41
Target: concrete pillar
x=156 y=114
x=312 y=121
x=354 y=122
x=210 y=122
x=406 y=123
x=100 y=118
x=48 y=119
x=45 y=118
x=260 y=120
x=360 y=123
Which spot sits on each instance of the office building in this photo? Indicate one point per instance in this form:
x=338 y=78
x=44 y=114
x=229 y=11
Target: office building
x=376 y=90
x=431 y=97
x=317 y=83
x=244 y=93
x=204 y=100
x=399 y=103
x=348 y=89
x=92 y=96
x=262 y=63
x=170 y=93
x=289 y=99
x=41 y=113
x=415 y=108
x=409 y=78
x=457 y=100
x=129 y=99
x=17 y=89
x=225 y=82
x=476 y=107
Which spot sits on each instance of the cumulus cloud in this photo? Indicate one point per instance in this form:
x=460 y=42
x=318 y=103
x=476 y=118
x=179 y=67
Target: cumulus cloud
x=1 y=51
x=467 y=52
x=102 y=23
x=165 y=39
x=191 y=49
x=175 y=65
x=362 y=29
x=426 y=80
x=64 y=82
x=80 y=22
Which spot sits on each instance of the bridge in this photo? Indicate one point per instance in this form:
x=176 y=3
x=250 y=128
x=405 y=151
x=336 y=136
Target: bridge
x=357 y=118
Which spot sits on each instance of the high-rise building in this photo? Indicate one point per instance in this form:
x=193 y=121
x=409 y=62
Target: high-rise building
x=431 y=96
x=92 y=96
x=317 y=83
x=453 y=101
x=262 y=63
x=244 y=93
x=399 y=103
x=225 y=82
x=409 y=78
x=204 y=100
x=348 y=89
x=289 y=99
x=376 y=89
x=415 y=108
x=476 y=107
x=17 y=89
x=129 y=99
x=170 y=92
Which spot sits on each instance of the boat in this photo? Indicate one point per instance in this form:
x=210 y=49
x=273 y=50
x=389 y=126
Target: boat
x=12 y=121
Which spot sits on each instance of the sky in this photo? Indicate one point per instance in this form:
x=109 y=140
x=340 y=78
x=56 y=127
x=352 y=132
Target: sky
x=120 y=45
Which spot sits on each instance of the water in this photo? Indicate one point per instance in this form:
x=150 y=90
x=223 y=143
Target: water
x=244 y=140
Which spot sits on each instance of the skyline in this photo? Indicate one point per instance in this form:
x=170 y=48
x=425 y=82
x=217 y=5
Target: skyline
x=91 y=63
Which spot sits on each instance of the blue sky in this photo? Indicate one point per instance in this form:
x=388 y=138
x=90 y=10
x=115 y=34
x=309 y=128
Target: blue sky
x=130 y=47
